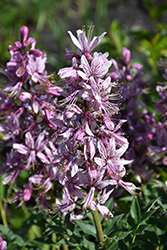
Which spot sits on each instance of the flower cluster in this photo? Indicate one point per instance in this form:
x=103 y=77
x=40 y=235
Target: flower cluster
x=27 y=106
x=91 y=147
x=3 y=244
x=159 y=150
x=140 y=126
x=68 y=143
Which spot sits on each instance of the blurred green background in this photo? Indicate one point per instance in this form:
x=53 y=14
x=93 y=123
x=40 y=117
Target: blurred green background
x=130 y=23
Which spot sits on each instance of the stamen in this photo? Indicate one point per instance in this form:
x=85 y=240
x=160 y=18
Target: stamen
x=90 y=32
x=83 y=29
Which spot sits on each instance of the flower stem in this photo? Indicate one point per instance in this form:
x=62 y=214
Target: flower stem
x=3 y=214
x=98 y=226
x=64 y=247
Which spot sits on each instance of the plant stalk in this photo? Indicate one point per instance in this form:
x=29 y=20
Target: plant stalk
x=64 y=247
x=98 y=226
x=3 y=214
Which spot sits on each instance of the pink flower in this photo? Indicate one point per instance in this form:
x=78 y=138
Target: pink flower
x=110 y=155
x=36 y=67
x=24 y=42
x=32 y=149
x=84 y=44
x=3 y=244
x=97 y=69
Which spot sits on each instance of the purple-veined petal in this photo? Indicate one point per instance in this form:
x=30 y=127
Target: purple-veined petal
x=36 y=179
x=104 y=211
x=82 y=179
x=36 y=107
x=105 y=196
x=111 y=147
x=99 y=161
x=92 y=148
x=122 y=149
x=22 y=149
x=48 y=152
x=74 y=40
x=87 y=129
x=25 y=95
x=86 y=66
x=43 y=158
x=106 y=183
x=74 y=170
x=89 y=198
x=102 y=150
x=54 y=90
x=29 y=140
x=82 y=40
x=74 y=217
x=108 y=123
x=82 y=75
x=119 y=124
x=39 y=140
x=123 y=161
x=67 y=72
x=130 y=187
x=95 y=41
x=47 y=185
x=32 y=158
x=11 y=177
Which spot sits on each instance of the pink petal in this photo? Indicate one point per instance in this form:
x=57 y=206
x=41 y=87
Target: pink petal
x=22 y=149
x=99 y=161
x=29 y=140
x=126 y=54
x=27 y=194
x=89 y=198
x=74 y=40
x=43 y=157
x=85 y=66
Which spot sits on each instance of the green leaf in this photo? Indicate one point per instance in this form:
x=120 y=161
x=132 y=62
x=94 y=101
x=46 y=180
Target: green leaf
x=109 y=204
x=142 y=228
x=57 y=229
x=70 y=225
x=164 y=206
x=77 y=233
x=127 y=198
x=152 y=236
x=111 y=222
x=8 y=233
x=146 y=216
x=86 y=228
x=88 y=244
x=135 y=211
x=151 y=204
x=113 y=246
x=122 y=235
x=140 y=243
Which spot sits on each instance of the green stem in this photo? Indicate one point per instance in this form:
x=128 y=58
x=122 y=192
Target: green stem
x=64 y=247
x=98 y=226
x=134 y=237
x=3 y=214
x=133 y=240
